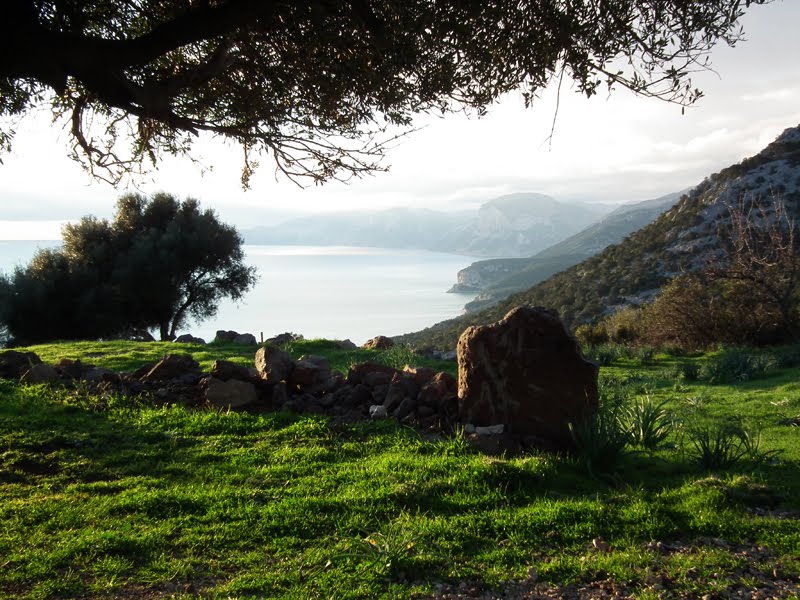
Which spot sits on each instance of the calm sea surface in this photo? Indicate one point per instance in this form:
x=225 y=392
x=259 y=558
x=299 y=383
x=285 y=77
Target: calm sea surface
x=330 y=292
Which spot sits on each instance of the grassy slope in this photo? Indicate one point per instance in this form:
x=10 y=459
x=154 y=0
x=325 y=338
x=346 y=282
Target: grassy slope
x=164 y=501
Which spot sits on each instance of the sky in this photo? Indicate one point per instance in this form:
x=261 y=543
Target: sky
x=609 y=149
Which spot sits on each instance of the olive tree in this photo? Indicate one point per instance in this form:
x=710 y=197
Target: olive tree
x=158 y=263
x=319 y=85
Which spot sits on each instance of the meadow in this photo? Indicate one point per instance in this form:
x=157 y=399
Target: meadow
x=687 y=485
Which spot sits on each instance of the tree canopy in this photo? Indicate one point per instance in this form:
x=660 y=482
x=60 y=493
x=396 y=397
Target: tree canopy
x=322 y=85
x=158 y=263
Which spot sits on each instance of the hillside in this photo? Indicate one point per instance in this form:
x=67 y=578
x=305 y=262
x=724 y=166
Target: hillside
x=632 y=272
x=497 y=279
x=515 y=225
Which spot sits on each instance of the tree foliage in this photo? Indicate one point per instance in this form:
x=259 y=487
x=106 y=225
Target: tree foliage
x=749 y=294
x=319 y=85
x=157 y=264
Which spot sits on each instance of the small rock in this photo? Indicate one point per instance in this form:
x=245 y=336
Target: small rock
x=490 y=429
x=273 y=364
x=230 y=394
x=39 y=373
x=406 y=407
x=600 y=544
x=378 y=411
x=171 y=367
x=225 y=370
x=188 y=338
x=245 y=339
x=13 y=364
x=380 y=342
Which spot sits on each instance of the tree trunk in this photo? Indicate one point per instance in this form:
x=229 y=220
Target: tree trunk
x=166 y=335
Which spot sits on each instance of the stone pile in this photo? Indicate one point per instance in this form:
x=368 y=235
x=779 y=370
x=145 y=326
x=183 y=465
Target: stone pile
x=417 y=396
x=521 y=382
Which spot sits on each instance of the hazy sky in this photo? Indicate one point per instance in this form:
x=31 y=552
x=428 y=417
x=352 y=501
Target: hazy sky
x=607 y=149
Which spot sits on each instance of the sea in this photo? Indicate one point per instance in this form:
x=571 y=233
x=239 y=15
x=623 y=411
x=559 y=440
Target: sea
x=333 y=292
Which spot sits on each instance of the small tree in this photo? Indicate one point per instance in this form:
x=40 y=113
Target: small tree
x=747 y=294
x=158 y=263
x=760 y=250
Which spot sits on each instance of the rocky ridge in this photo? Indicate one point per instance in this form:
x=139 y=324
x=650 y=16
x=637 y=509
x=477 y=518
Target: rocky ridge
x=683 y=239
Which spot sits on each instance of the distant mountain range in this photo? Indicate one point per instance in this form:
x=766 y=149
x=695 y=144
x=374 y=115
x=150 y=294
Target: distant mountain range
x=682 y=239
x=515 y=225
x=498 y=278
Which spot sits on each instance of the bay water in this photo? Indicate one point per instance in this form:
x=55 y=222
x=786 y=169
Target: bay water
x=333 y=292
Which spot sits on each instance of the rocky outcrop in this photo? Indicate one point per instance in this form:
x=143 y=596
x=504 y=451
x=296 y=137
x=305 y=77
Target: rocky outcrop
x=527 y=374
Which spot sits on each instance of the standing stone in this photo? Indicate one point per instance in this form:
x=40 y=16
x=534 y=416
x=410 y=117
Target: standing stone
x=527 y=373
x=245 y=339
x=273 y=364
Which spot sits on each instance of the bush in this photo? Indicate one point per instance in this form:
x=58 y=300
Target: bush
x=601 y=438
x=734 y=365
x=649 y=424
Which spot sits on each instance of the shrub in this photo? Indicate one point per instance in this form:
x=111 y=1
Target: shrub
x=734 y=365
x=600 y=439
x=649 y=424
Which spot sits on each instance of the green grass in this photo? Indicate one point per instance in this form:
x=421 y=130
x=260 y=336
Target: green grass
x=129 y=356
x=172 y=502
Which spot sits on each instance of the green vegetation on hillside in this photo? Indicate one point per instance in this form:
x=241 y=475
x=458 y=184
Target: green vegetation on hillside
x=109 y=497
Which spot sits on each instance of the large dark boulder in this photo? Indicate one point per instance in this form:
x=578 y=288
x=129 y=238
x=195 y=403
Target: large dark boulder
x=527 y=373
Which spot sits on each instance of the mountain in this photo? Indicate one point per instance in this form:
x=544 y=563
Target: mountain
x=682 y=239
x=497 y=279
x=512 y=225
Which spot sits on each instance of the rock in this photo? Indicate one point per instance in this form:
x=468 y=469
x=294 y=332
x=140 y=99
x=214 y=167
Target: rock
x=39 y=373
x=245 y=339
x=365 y=373
x=225 y=370
x=380 y=342
x=345 y=344
x=72 y=369
x=376 y=411
x=527 y=373
x=225 y=336
x=312 y=374
x=490 y=429
x=439 y=391
x=284 y=338
x=280 y=395
x=188 y=338
x=173 y=366
x=407 y=406
x=394 y=396
x=14 y=364
x=420 y=375
x=97 y=374
x=273 y=364
x=230 y=394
